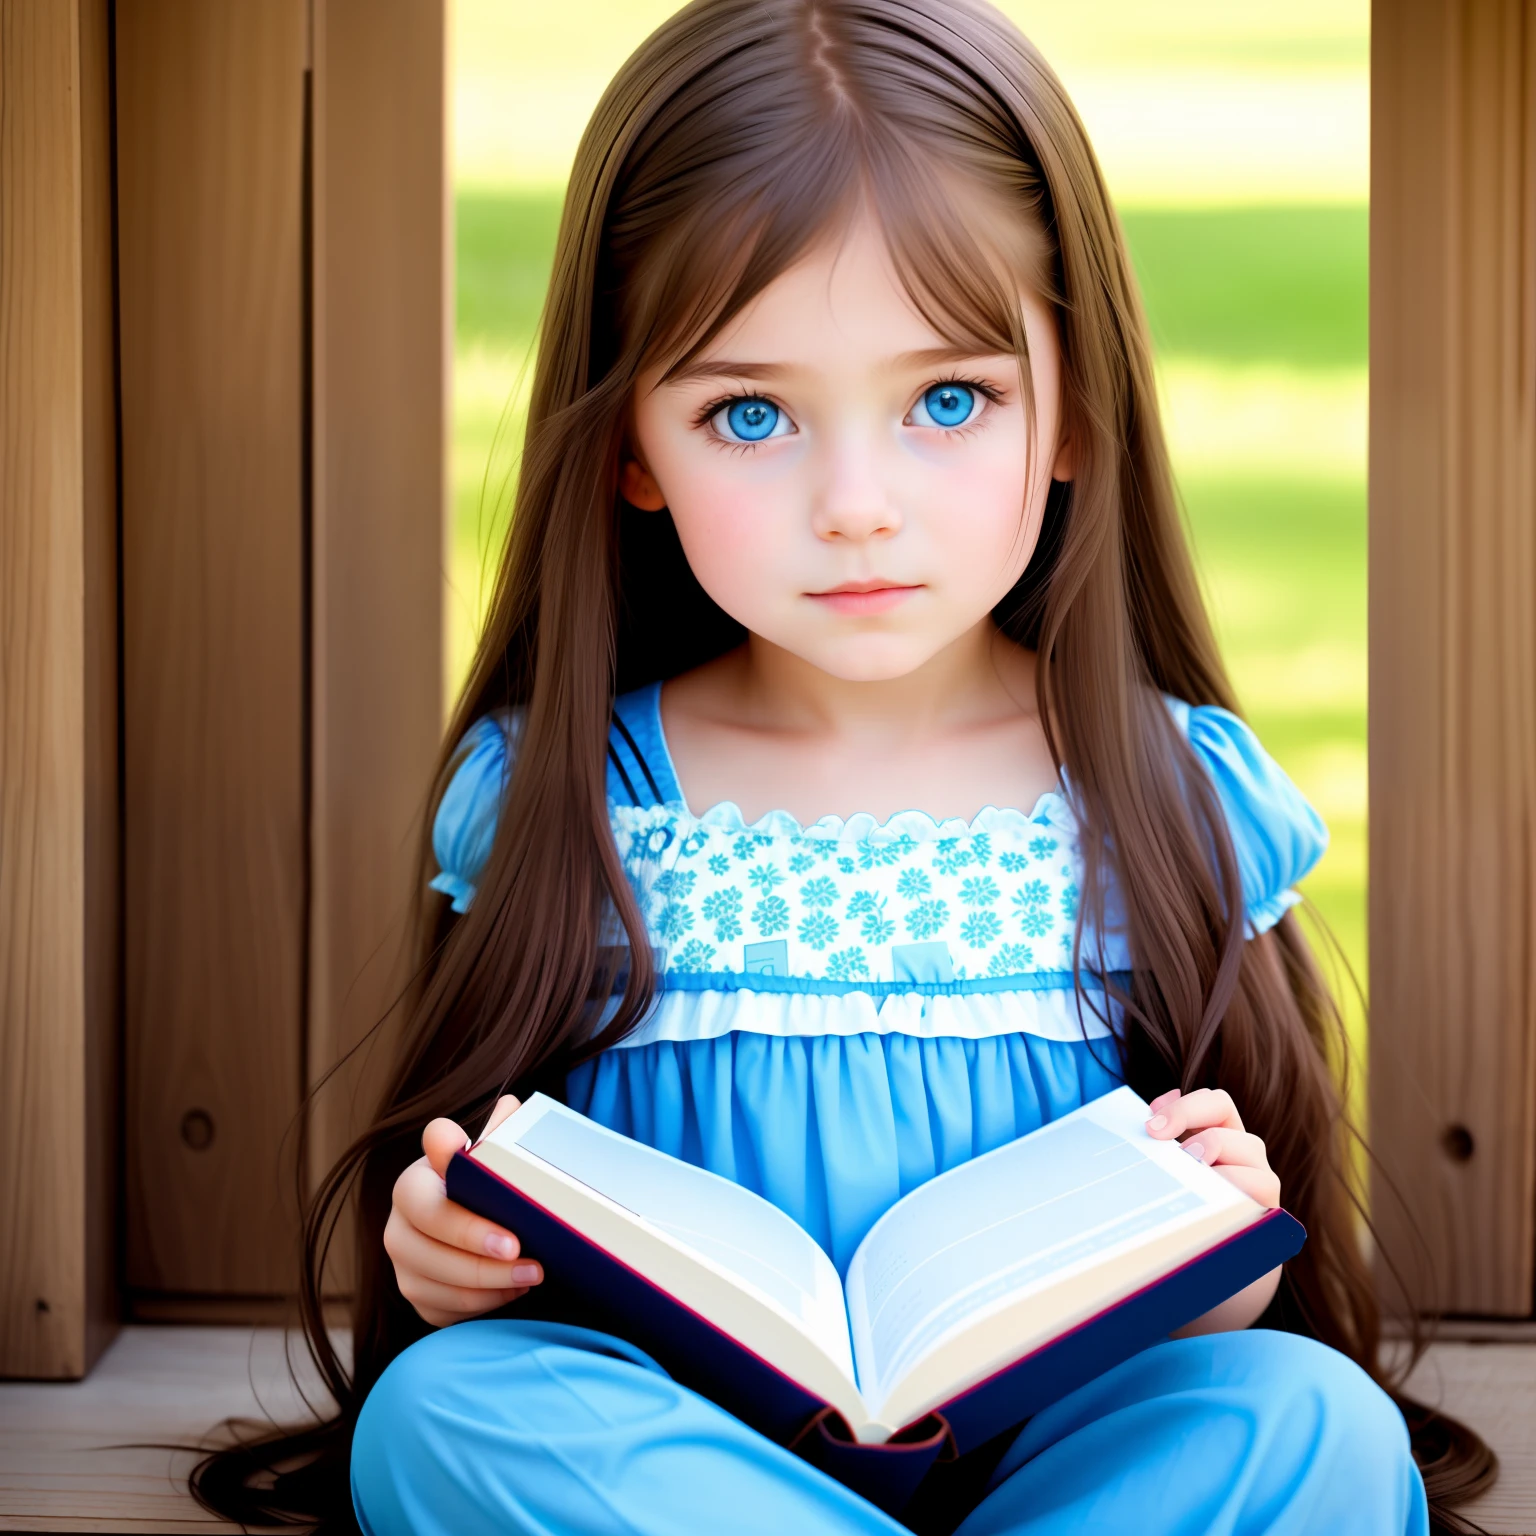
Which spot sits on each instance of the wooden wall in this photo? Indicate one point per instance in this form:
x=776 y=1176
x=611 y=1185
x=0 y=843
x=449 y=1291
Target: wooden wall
x=59 y=950
x=1452 y=1066
x=210 y=154
x=284 y=293
x=220 y=678
x=382 y=329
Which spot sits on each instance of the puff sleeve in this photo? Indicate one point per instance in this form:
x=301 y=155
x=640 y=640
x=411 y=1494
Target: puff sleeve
x=465 y=825
x=1276 y=835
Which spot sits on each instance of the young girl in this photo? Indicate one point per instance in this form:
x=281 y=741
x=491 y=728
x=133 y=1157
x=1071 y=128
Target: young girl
x=847 y=784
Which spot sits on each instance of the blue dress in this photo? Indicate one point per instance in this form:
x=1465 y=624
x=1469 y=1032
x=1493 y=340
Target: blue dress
x=845 y=1010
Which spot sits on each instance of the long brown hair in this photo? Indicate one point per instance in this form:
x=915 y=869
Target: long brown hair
x=738 y=134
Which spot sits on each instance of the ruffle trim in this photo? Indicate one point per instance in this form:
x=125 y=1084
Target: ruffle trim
x=458 y=889
x=1051 y=809
x=1047 y=1015
x=1263 y=915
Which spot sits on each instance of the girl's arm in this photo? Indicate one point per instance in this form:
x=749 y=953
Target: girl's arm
x=1212 y=1130
x=1240 y=1311
x=450 y=1264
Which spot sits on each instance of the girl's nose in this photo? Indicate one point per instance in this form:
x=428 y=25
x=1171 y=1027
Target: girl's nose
x=853 y=500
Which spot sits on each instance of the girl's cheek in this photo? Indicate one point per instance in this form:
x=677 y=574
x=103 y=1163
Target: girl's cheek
x=736 y=539
x=977 y=505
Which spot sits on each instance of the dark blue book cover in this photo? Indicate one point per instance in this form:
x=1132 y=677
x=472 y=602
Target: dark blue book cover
x=610 y=1295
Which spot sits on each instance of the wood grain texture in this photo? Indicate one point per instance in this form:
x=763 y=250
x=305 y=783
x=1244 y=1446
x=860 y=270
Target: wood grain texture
x=82 y=1458
x=210 y=192
x=101 y=1124
x=1453 y=643
x=1493 y=1388
x=58 y=798
x=381 y=340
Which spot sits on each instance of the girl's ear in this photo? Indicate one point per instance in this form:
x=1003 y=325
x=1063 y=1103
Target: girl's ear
x=638 y=486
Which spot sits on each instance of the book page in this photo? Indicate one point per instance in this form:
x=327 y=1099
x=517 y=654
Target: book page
x=735 y=1228
x=1021 y=1218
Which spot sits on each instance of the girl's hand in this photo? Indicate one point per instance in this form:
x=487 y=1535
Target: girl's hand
x=1212 y=1131
x=450 y=1264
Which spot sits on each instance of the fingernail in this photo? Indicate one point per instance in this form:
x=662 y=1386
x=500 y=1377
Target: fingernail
x=1195 y=1150
x=1157 y=1122
x=500 y=1246
x=525 y=1274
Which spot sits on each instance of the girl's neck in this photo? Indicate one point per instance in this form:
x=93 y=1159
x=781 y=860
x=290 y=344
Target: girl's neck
x=765 y=729
x=978 y=677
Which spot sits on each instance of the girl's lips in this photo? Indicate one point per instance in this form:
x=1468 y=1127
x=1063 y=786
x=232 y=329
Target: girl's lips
x=880 y=600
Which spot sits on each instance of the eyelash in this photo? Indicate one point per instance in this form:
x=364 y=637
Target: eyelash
x=704 y=419
x=987 y=392
x=706 y=414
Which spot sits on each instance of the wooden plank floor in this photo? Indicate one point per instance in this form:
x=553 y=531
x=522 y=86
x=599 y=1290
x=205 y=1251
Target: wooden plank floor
x=1492 y=1387
x=68 y=1456
x=67 y=1462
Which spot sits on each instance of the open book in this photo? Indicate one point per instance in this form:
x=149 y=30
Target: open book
x=984 y=1293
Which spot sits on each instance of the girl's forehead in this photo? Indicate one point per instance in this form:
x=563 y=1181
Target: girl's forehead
x=842 y=303
x=843 y=290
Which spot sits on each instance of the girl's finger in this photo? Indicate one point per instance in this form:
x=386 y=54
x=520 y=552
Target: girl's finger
x=443 y=1137
x=411 y=1249
x=1222 y=1146
x=440 y=1304
x=505 y=1105
x=1197 y=1111
x=1260 y=1184
x=439 y=1141
x=420 y=1197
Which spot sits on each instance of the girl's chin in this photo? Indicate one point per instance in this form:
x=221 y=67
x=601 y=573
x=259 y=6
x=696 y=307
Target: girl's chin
x=868 y=658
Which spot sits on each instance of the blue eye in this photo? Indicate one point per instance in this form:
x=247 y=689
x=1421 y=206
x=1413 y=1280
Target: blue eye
x=750 y=420
x=945 y=405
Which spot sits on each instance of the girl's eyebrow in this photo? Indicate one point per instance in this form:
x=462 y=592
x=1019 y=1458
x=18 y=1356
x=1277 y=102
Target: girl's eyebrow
x=934 y=357
x=722 y=368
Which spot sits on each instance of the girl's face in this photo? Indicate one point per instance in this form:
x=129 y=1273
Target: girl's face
x=844 y=483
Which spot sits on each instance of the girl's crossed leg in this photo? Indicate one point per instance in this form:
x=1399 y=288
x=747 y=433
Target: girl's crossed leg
x=516 y=1427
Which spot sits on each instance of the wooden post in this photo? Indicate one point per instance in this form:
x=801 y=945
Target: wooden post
x=211 y=239
x=59 y=950
x=258 y=603
x=284 y=298
x=1452 y=1066
x=381 y=271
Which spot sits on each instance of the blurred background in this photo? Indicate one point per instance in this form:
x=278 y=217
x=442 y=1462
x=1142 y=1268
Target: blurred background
x=1235 y=141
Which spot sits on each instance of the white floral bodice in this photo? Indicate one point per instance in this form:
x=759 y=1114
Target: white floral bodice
x=851 y=926
x=900 y=902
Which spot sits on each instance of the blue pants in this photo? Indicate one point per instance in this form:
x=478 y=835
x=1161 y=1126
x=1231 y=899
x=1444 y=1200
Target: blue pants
x=515 y=1427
